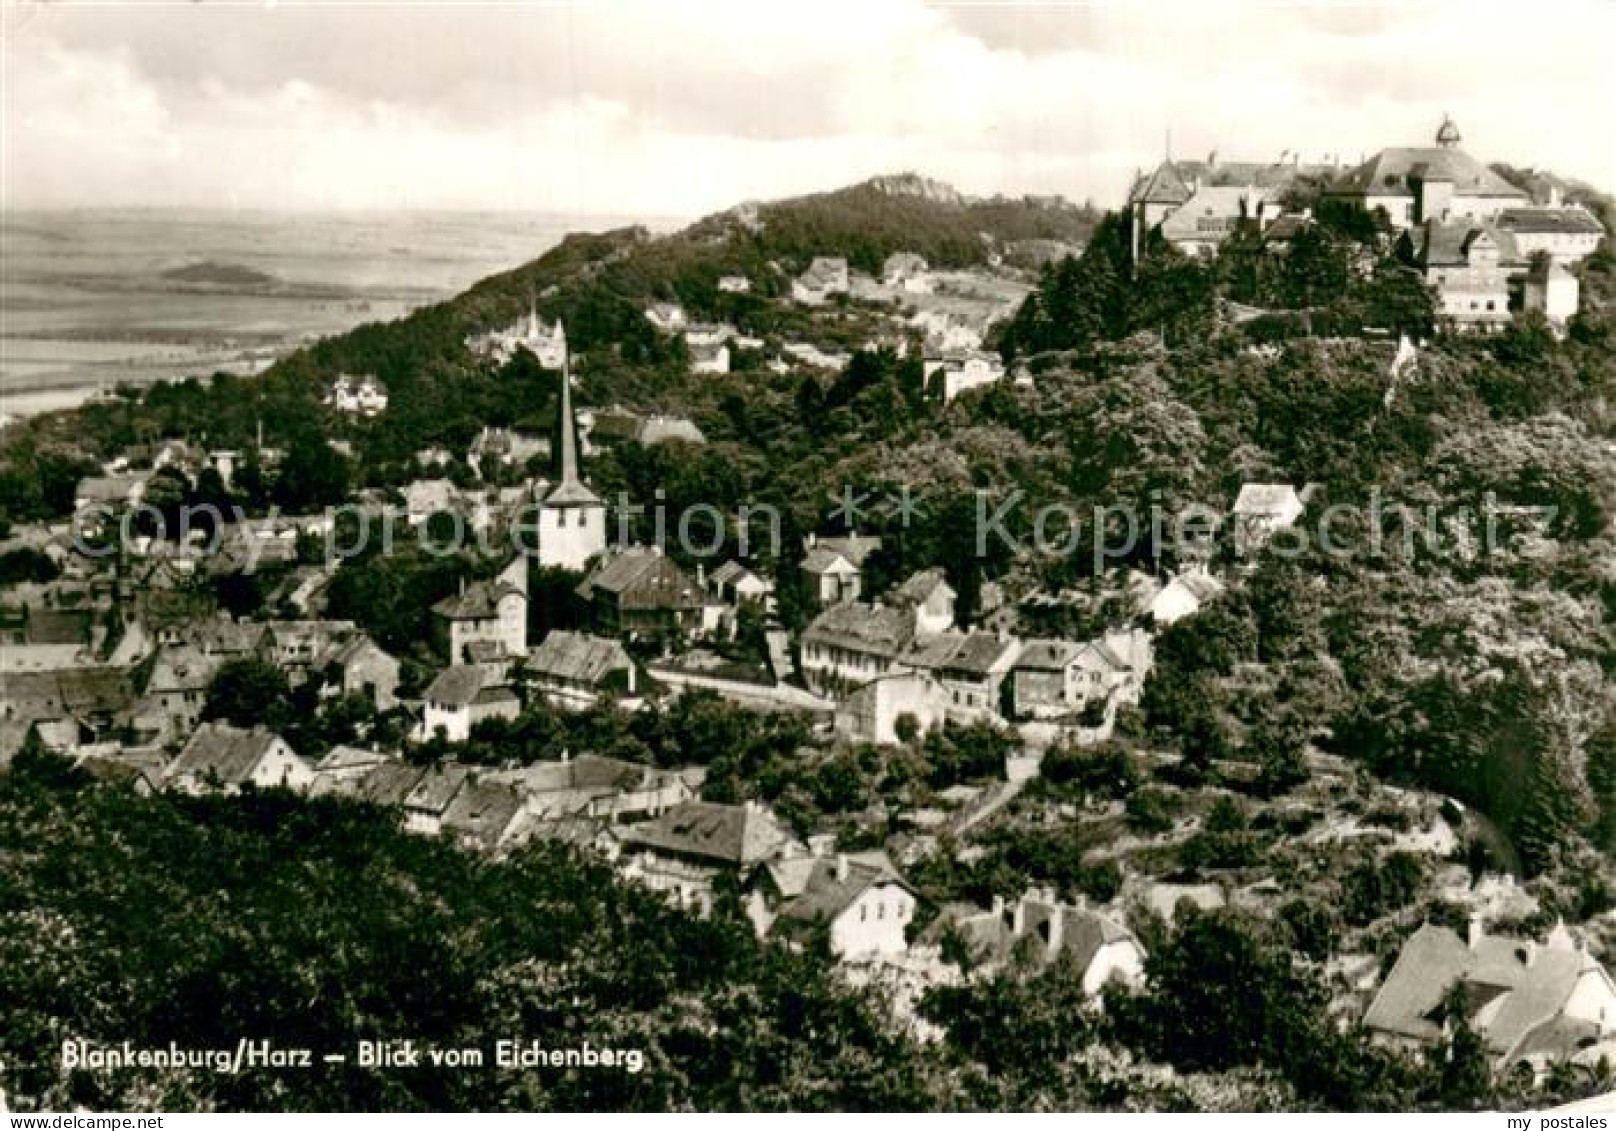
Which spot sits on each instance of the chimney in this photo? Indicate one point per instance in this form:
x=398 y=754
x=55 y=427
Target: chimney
x=1528 y=952
x=998 y=906
x=1018 y=917
x=841 y=867
x=462 y=586
x=1057 y=929
x=1474 y=933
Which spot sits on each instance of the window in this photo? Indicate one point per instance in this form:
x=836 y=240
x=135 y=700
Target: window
x=864 y=912
x=880 y=911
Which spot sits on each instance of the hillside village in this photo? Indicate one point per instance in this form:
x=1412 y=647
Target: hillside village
x=935 y=768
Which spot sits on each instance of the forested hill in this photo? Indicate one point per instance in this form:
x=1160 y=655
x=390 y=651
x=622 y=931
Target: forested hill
x=599 y=284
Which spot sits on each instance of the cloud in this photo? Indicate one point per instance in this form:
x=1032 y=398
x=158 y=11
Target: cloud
x=662 y=109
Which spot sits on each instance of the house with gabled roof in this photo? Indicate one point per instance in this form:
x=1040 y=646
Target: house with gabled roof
x=1531 y=1002
x=71 y=708
x=928 y=595
x=124 y=773
x=734 y=584
x=108 y=494
x=1032 y=933
x=669 y=317
x=1184 y=595
x=177 y=685
x=641 y=593
x=908 y=271
x=431 y=795
x=859 y=900
x=1213 y=213
x=1261 y=510
x=601 y=789
x=834 y=565
x=491 y=610
x=574 y=669
x=483 y=815
x=45 y=639
x=825 y=276
x=852 y=643
x=952 y=372
x=462 y=696
x=225 y=758
x=387 y=783
x=1568 y=234
x=342 y=768
x=685 y=849
x=1470 y=265
x=362 y=395
x=358 y=665
x=972 y=667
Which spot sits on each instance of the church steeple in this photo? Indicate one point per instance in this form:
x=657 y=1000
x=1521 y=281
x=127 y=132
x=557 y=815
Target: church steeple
x=570 y=489
x=569 y=429
x=572 y=518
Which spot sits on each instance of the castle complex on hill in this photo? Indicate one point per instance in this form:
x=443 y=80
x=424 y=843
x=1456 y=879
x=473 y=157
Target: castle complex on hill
x=1473 y=235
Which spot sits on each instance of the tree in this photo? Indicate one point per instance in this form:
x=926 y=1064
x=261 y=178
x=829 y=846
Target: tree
x=249 y=692
x=315 y=475
x=1464 y=1071
x=1222 y=993
x=1279 y=742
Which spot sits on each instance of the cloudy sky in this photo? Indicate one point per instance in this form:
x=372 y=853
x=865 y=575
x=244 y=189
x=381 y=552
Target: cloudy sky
x=674 y=109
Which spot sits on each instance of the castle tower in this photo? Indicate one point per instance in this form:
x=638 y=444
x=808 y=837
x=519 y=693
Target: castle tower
x=1447 y=135
x=572 y=518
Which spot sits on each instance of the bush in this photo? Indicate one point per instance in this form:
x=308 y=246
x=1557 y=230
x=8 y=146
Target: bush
x=1152 y=809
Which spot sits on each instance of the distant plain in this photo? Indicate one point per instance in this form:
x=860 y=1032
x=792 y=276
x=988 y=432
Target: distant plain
x=93 y=299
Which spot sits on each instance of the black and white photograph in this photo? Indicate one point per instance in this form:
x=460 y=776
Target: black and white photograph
x=568 y=556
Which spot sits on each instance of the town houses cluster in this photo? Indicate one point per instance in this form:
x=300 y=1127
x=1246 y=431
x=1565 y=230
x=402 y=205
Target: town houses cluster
x=112 y=662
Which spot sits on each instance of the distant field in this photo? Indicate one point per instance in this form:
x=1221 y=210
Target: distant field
x=101 y=297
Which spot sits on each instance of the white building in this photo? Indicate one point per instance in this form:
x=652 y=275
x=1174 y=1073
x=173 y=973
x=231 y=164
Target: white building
x=669 y=317
x=545 y=342
x=861 y=903
x=461 y=697
x=357 y=396
x=1184 y=595
x=1261 y=510
x=964 y=370
x=1569 y=233
x=826 y=276
x=226 y=758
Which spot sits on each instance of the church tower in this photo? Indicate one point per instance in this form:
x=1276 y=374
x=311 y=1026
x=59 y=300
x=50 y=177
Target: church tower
x=572 y=518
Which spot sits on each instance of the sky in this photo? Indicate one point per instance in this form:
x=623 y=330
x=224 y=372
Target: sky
x=674 y=109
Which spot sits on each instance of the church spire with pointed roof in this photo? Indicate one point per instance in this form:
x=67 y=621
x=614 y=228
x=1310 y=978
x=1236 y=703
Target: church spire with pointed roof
x=572 y=518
